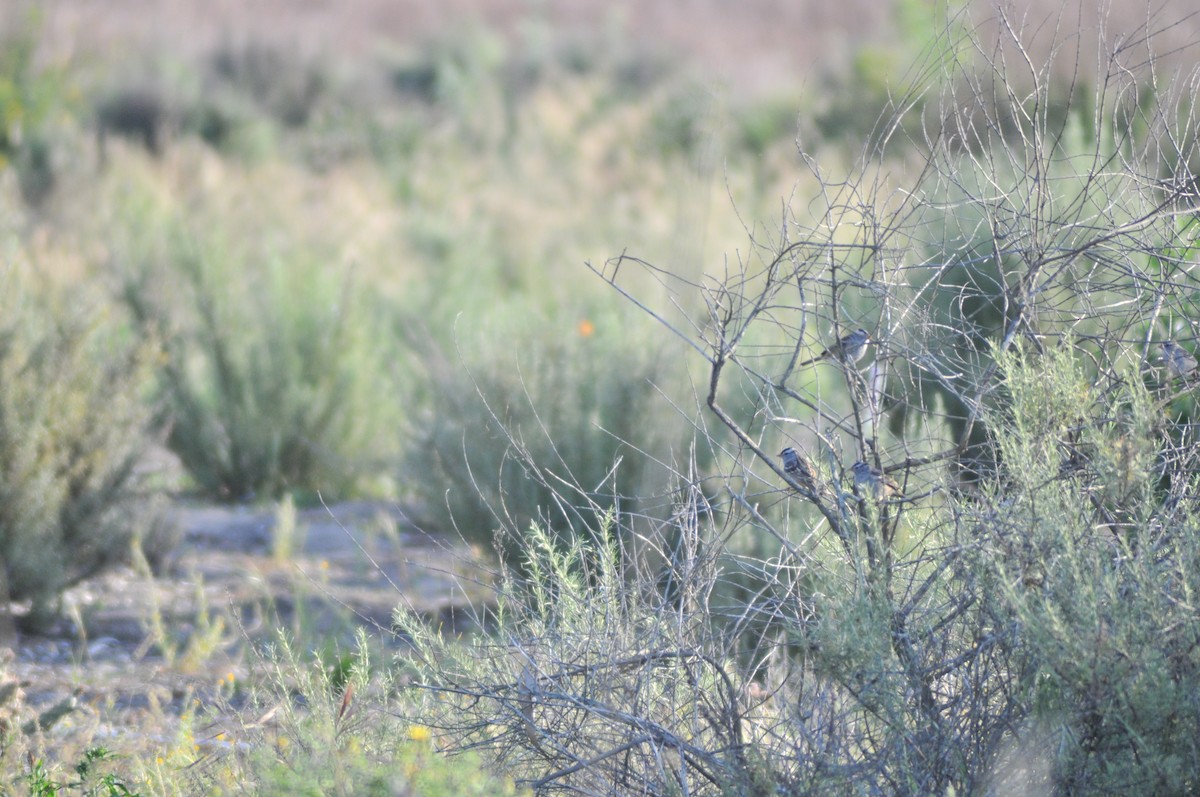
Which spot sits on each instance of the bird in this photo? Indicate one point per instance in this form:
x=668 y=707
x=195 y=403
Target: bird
x=528 y=693
x=799 y=468
x=873 y=483
x=1178 y=361
x=850 y=349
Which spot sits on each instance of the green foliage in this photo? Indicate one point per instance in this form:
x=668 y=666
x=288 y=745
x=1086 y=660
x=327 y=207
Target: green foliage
x=684 y=122
x=278 y=373
x=464 y=78
x=284 y=86
x=587 y=666
x=414 y=768
x=766 y=122
x=87 y=783
x=335 y=731
x=32 y=98
x=73 y=426
x=1098 y=569
x=971 y=260
x=887 y=82
x=1051 y=597
x=585 y=401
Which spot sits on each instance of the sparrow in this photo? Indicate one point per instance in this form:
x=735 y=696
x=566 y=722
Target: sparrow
x=850 y=349
x=799 y=468
x=872 y=483
x=528 y=692
x=1178 y=361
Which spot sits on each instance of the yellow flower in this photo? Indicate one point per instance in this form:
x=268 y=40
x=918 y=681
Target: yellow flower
x=419 y=733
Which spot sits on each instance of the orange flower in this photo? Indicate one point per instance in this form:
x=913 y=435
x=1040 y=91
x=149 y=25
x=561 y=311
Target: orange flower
x=586 y=328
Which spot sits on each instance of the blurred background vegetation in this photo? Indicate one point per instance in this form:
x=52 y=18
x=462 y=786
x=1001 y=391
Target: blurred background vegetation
x=362 y=258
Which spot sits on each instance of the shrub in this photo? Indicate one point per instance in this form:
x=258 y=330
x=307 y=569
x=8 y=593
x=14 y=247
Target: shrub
x=73 y=426
x=592 y=684
x=1091 y=557
x=333 y=731
x=283 y=85
x=923 y=643
x=87 y=780
x=33 y=100
x=278 y=370
x=140 y=114
x=585 y=401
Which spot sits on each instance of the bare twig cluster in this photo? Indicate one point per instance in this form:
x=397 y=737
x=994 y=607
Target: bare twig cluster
x=984 y=497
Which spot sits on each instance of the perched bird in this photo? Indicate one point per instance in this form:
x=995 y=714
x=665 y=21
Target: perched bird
x=528 y=692
x=873 y=483
x=799 y=468
x=850 y=349
x=1178 y=361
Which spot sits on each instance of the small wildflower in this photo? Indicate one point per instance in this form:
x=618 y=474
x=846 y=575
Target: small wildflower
x=419 y=733
x=586 y=328
x=324 y=564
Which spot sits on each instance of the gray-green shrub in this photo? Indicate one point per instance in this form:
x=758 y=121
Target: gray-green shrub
x=35 y=100
x=74 y=420
x=1095 y=562
x=279 y=375
x=586 y=399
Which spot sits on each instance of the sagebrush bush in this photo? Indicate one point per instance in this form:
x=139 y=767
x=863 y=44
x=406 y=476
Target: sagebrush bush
x=279 y=375
x=1019 y=626
x=592 y=684
x=585 y=400
x=1092 y=557
x=74 y=423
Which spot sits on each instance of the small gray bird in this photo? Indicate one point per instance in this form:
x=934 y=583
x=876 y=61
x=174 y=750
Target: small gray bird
x=873 y=483
x=850 y=349
x=1178 y=361
x=799 y=468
